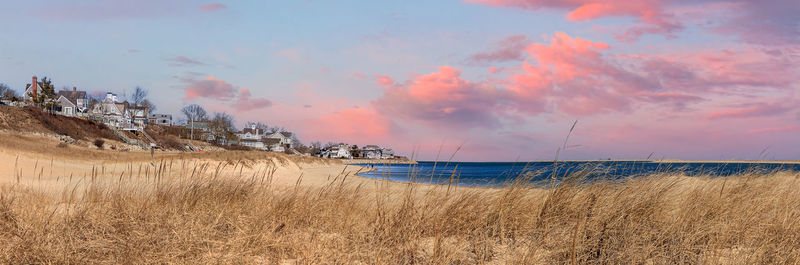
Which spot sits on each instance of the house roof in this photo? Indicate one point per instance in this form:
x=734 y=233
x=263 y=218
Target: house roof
x=271 y=140
x=251 y=131
x=67 y=101
x=72 y=95
x=286 y=134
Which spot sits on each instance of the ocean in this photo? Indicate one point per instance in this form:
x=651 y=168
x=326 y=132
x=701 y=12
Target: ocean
x=494 y=174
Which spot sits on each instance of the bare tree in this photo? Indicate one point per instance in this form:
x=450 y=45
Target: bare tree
x=222 y=127
x=149 y=106
x=7 y=93
x=275 y=129
x=194 y=113
x=296 y=140
x=139 y=96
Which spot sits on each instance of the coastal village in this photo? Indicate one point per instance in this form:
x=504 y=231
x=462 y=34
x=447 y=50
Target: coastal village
x=133 y=118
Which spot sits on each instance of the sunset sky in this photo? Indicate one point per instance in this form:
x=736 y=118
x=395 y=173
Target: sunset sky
x=504 y=79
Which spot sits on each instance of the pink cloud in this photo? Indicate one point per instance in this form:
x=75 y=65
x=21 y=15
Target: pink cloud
x=650 y=13
x=212 y=7
x=223 y=94
x=579 y=78
x=442 y=97
x=359 y=75
x=246 y=103
x=509 y=49
x=573 y=75
x=384 y=80
x=760 y=22
x=209 y=87
x=756 y=110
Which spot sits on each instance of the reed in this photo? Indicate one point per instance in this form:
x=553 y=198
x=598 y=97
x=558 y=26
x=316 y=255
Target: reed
x=205 y=216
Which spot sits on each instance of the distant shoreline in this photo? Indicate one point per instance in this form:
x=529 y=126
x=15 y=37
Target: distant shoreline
x=379 y=161
x=661 y=161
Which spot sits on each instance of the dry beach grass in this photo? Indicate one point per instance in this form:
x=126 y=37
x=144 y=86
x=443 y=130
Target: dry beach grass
x=235 y=208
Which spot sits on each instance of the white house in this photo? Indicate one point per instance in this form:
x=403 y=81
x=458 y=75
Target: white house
x=371 y=152
x=257 y=144
x=338 y=151
x=252 y=137
x=387 y=153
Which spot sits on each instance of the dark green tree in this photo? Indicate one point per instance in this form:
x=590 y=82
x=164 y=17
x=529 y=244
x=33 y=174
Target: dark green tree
x=46 y=95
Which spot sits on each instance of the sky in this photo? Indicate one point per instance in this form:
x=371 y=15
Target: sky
x=476 y=80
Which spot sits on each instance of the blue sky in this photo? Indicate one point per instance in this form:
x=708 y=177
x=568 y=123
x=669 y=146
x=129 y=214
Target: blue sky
x=315 y=67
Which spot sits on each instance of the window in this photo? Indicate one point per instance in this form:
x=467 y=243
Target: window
x=68 y=110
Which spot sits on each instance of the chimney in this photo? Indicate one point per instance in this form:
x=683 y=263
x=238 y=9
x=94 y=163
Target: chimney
x=33 y=88
x=74 y=89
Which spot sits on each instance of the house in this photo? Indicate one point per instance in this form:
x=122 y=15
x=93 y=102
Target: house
x=72 y=102
x=285 y=138
x=251 y=133
x=371 y=152
x=160 y=119
x=387 y=153
x=31 y=90
x=112 y=113
x=137 y=114
x=252 y=137
x=254 y=143
x=337 y=151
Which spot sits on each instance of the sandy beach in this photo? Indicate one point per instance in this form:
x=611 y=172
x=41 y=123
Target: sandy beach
x=36 y=161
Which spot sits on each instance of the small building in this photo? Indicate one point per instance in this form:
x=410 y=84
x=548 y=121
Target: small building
x=72 y=102
x=387 y=153
x=371 y=152
x=160 y=119
x=337 y=151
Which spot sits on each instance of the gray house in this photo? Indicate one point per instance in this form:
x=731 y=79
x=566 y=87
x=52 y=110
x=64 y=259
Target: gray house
x=160 y=119
x=72 y=102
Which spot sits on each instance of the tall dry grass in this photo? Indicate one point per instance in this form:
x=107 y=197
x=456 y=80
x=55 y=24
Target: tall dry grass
x=201 y=218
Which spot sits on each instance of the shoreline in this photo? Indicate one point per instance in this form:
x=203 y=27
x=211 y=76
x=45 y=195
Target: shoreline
x=378 y=162
x=659 y=161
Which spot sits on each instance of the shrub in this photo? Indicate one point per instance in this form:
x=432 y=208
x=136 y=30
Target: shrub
x=62 y=145
x=99 y=143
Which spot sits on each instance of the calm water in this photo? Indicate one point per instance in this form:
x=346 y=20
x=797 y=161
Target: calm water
x=497 y=173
